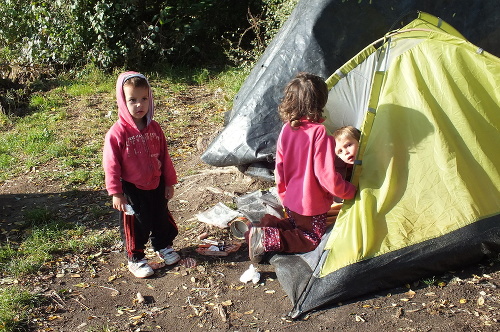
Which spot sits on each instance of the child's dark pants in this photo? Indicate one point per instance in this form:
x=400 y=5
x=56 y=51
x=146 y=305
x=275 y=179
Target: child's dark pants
x=152 y=220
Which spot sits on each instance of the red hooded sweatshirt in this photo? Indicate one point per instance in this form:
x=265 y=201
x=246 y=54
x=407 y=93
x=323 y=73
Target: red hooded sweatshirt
x=137 y=156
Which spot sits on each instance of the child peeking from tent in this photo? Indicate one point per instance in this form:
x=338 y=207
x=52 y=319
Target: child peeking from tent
x=305 y=174
x=346 y=146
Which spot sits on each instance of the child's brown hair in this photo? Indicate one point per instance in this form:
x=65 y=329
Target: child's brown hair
x=305 y=96
x=137 y=82
x=347 y=131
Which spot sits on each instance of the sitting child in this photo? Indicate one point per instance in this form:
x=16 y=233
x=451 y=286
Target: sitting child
x=306 y=178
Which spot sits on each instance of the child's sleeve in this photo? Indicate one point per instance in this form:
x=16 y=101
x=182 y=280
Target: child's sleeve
x=111 y=163
x=278 y=173
x=168 y=170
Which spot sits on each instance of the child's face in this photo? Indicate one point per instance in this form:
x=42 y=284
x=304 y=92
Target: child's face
x=346 y=149
x=137 y=99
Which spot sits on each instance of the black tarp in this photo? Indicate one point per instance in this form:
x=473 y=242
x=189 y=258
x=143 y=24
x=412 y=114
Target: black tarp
x=319 y=37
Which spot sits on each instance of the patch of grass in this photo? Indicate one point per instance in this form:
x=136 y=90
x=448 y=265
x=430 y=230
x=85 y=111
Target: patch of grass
x=230 y=81
x=7 y=252
x=429 y=281
x=77 y=90
x=217 y=117
x=39 y=216
x=59 y=149
x=48 y=239
x=201 y=76
x=32 y=141
x=79 y=176
x=90 y=80
x=38 y=248
x=6 y=160
x=98 y=211
x=45 y=102
x=105 y=328
x=15 y=306
x=5 y=120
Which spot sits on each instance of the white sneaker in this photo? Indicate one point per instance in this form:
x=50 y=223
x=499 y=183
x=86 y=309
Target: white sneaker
x=168 y=255
x=140 y=269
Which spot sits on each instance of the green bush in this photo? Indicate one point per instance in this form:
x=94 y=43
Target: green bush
x=132 y=33
x=262 y=27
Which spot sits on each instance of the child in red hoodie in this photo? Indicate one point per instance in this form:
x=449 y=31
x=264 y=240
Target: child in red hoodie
x=140 y=175
x=305 y=173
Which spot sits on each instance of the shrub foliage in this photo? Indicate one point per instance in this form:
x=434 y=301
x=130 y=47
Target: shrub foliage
x=136 y=33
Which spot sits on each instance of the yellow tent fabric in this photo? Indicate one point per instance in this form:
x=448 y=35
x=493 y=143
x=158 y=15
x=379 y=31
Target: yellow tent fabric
x=429 y=151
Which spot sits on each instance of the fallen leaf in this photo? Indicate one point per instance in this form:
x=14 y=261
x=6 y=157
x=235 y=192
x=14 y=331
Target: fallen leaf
x=463 y=301
x=140 y=299
x=82 y=285
x=360 y=319
x=410 y=294
x=96 y=255
x=8 y=281
x=480 y=301
x=222 y=312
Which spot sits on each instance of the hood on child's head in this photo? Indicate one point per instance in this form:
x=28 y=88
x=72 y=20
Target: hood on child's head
x=123 y=113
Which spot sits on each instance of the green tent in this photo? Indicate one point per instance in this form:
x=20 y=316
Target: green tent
x=428 y=104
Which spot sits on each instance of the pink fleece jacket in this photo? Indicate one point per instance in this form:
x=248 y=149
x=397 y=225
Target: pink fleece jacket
x=305 y=170
x=139 y=157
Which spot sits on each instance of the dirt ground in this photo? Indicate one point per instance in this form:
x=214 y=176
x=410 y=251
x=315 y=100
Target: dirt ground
x=95 y=291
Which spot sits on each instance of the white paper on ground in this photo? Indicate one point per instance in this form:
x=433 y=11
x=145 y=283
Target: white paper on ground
x=219 y=215
x=250 y=275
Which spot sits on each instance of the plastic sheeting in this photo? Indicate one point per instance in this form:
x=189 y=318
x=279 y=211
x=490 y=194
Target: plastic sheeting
x=319 y=37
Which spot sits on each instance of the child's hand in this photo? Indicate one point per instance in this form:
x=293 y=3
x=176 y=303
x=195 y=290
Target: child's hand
x=169 y=192
x=119 y=202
